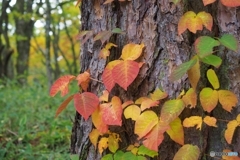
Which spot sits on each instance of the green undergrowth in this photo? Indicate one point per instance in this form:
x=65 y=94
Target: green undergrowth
x=28 y=129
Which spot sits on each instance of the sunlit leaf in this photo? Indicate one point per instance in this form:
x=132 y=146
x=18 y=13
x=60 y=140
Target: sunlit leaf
x=61 y=84
x=212 y=78
x=187 y=152
x=182 y=69
x=210 y=121
x=93 y=136
x=145 y=151
x=145 y=122
x=227 y=99
x=113 y=140
x=231 y=3
x=132 y=111
x=97 y=120
x=104 y=96
x=204 y=46
x=171 y=110
x=176 y=131
x=182 y=23
x=158 y=95
x=83 y=80
x=102 y=144
x=229 y=132
x=63 y=105
x=193 y=121
x=208 y=99
x=207 y=19
x=229 y=41
x=132 y=51
x=206 y=2
x=85 y=103
x=125 y=72
x=194 y=74
x=212 y=60
x=190 y=98
x=194 y=24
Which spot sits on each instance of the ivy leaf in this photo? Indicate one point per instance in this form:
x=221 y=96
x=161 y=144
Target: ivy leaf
x=207 y=19
x=193 y=121
x=146 y=103
x=227 y=99
x=210 y=121
x=194 y=73
x=85 y=103
x=182 y=23
x=204 y=45
x=190 y=98
x=171 y=110
x=125 y=72
x=106 y=157
x=231 y=3
x=208 y=99
x=206 y=2
x=83 y=80
x=212 y=78
x=182 y=69
x=194 y=24
x=229 y=132
x=118 y=155
x=93 y=136
x=145 y=122
x=176 y=131
x=113 y=140
x=102 y=144
x=61 y=84
x=187 y=151
x=97 y=119
x=132 y=111
x=212 y=60
x=132 y=51
x=158 y=95
x=112 y=112
x=63 y=105
x=229 y=41
x=142 y=150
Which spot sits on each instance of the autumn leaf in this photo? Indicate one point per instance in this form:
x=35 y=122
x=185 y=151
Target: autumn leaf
x=144 y=151
x=132 y=51
x=125 y=72
x=132 y=111
x=97 y=119
x=158 y=95
x=207 y=19
x=171 y=110
x=206 y=2
x=113 y=140
x=63 y=105
x=61 y=84
x=190 y=98
x=227 y=99
x=193 y=121
x=93 y=136
x=229 y=132
x=212 y=60
x=194 y=73
x=104 y=96
x=182 y=23
x=103 y=36
x=229 y=41
x=146 y=103
x=208 y=99
x=104 y=53
x=83 y=80
x=212 y=78
x=231 y=3
x=187 y=152
x=210 y=121
x=145 y=122
x=194 y=24
x=176 y=131
x=127 y=103
x=85 y=103
x=102 y=144
x=112 y=112
x=238 y=118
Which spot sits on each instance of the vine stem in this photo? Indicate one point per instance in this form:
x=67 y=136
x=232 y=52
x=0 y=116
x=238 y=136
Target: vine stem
x=96 y=80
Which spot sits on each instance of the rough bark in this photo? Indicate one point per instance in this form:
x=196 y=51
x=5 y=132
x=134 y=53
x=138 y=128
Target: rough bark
x=154 y=23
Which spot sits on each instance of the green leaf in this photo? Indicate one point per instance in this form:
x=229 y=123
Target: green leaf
x=175 y=1
x=118 y=155
x=107 y=157
x=128 y=156
x=182 y=69
x=187 y=152
x=142 y=150
x=204 y=45
x=117 y=30
x=229 y=41
x=212 y=60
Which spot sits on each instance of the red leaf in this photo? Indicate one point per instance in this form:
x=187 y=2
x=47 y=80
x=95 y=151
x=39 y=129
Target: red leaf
x=63 y=105
x=85 y=103
x=61 y=84
x=83 y=80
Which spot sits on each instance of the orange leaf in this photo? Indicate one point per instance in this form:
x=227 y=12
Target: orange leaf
x=146 y=103
x=85 y=103
x=176 y=131
x=104 y=53
x=231 y=155
x=61 y=84
x=190 y=98
x=206 y=2
x=132 y=51
x=102 y=144
x=231 y=3
x=127 y=103
x=182 y=24
x=108 y=1
x=63 y=105
x=83 y=80
x=227 y=99
x=207 y=19
x=208 y=99
x=194 y=24
x=212 y=78
x=210 y=121
x=145 y=122
x=93 y=136
x=194 y=73
x=98 y=121
x=229 y=132
x=132 y=111
x=112 y=112
x=158 y=95
x=107 y=75
x=193 y=121
x=104 y=96
x=125 y=72
x=187 y=151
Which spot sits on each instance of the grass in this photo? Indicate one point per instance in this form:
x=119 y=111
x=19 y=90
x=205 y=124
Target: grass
x=28 y=129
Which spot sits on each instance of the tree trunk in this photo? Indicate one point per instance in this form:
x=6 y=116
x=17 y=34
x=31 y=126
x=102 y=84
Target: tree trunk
x=154 y=23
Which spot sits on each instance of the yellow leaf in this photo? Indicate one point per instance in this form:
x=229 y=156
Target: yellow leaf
x=104 y=96
x=194 y=74
x=187 y=152
x=194 y=24
x=207 y=19
x=148 y=103
x=127 y=103
x=98 y=122
x=213 y=79
x=190 y=98
x=103 y=144
x=231 y=126
x=182 y=23
x=104 y=53
x=208 y=99
x=227 y=99
x=93 y=136
x=132 y=111
x=110 y=45
x=113 y=140
x=211 y=121
x=176 y=131
x=192 y=121
x=158 y=95
x=132 y=51
x=238 y=118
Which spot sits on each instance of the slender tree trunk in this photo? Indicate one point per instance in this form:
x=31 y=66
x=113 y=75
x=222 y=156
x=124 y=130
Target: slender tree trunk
x=154 y=23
